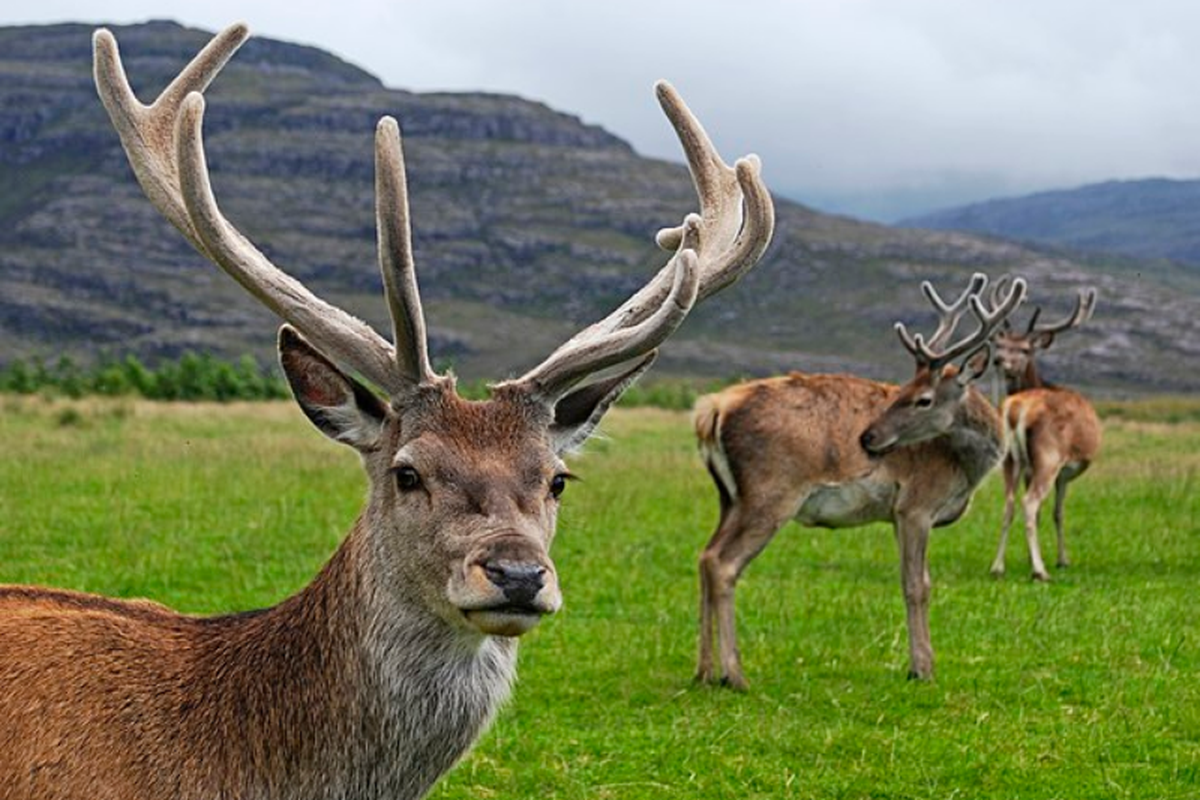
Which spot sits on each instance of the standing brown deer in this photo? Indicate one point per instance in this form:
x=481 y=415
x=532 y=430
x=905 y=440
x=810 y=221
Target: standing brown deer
x=837 y=451
x=376 y=677
x=1053 y=432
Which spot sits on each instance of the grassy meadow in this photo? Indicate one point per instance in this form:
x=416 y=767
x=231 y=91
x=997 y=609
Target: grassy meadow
x=1087 y=687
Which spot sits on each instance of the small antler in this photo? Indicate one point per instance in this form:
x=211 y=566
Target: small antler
x=712 y=249
x=937 y=353
x=1085 y=305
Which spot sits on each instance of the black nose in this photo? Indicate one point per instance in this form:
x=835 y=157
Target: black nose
x=519 y=580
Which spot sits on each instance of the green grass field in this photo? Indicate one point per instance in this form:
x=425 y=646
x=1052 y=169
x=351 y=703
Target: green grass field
x=1088 y=687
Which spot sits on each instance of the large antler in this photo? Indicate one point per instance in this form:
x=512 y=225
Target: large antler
x=937 y=353
x=166 y=151
x=712 y=249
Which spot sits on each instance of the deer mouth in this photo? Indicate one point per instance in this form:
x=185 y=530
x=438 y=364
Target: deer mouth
x=507 y=619
x=876 y=445
x=880 y=450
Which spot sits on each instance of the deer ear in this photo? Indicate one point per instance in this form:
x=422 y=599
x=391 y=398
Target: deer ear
x=975 y=365
x=341 y=407
x=577 y=414
x=1042 y=340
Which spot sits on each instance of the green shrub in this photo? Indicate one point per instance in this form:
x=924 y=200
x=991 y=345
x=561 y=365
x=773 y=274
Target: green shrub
x=194 y=376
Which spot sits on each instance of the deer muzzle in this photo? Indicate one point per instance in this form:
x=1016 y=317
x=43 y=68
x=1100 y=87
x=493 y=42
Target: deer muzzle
x=875 y=442
x=508 y=585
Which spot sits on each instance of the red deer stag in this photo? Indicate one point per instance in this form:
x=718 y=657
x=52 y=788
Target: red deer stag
x=375 y=678
x=838 y=451
x=1053 y=433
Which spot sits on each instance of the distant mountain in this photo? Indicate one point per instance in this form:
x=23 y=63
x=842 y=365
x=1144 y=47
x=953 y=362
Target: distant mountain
x=527 y=224
x=1153 y=218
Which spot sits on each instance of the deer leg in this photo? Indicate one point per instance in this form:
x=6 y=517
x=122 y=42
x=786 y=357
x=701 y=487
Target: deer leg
x=912 y=536
x=704 y=660
x=733 y=546
x=1035 y=493
x=1060 y=497
x=1012 y=476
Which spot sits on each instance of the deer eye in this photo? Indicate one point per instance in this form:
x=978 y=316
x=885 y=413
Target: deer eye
x=407 y=479
x=557 y=484
x=924 y=401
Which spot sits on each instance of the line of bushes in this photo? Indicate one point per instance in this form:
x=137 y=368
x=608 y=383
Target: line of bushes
x=193 y=376
x=200 y=377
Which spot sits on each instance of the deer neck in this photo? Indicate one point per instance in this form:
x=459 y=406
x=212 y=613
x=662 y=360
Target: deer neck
x=1028 y=378
x=976 y=436
x=350 y=690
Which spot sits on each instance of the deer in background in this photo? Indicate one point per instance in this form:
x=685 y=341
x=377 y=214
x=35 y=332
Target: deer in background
x=1053 y=432
x=374 y=679
x=838 y=451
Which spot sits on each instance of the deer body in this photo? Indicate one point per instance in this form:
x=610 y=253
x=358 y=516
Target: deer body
x=340 y=694
x=807 y=428
x=837 y=451
x=374 y=679
x=1052 y=432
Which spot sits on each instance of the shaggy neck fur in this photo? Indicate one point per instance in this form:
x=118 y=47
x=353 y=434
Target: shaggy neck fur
x=977 y=438
x=378 y=701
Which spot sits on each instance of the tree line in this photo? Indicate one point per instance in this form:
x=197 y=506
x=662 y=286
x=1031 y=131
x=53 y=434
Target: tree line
x=193 y=376
x=201 y=376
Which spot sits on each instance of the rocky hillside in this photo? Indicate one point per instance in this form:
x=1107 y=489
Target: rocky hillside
x=1152 y=218
x=527 y=224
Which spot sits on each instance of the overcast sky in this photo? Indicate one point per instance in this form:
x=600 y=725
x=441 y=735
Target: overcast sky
x=878 y=108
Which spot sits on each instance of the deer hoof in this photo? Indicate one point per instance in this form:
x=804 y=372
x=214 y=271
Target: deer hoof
x=735 y=682
x=1041 y=577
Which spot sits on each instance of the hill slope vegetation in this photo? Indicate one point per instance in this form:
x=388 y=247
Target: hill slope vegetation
x=528 y=223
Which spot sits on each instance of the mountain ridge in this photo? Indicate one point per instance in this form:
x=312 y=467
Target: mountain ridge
x=1150 y=218
x=527 y=224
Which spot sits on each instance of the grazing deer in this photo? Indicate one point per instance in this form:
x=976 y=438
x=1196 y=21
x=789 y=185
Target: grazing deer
x=1053 y=433
x=375 y=678
x=838 y=451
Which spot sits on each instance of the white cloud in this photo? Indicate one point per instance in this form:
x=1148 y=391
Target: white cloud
x=847 y=101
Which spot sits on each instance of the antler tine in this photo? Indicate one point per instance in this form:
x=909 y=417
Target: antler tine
x=996 y=292
x=396 y=257
x=949 y=314
x=1033 y=318
x=914 y=345
x=1085 y=305
x=165 y=149
x=148 y=132
x=727 y=237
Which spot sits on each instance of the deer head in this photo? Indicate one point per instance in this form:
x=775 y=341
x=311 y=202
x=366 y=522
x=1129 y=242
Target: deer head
x=928 y=405
x=1016 y=351
x=463 y=494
